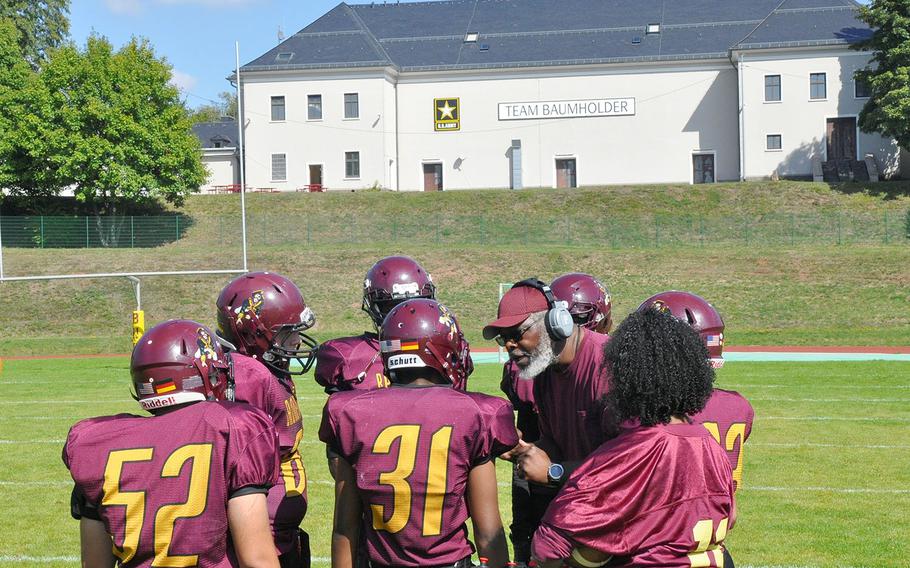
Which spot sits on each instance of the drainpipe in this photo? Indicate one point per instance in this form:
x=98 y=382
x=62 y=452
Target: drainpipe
x=742 y=120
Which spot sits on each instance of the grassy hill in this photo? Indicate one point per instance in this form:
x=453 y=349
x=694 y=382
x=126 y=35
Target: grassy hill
x=785 y=262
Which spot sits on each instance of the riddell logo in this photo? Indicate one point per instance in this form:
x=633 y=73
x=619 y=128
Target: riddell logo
x=158 y=402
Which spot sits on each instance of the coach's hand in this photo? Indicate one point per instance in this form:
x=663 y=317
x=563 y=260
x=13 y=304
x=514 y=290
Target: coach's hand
x=532 y=463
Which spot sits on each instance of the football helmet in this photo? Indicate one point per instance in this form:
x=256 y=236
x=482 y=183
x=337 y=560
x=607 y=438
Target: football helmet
x=392 y=280
x=263 y=315
x=176 y=362
x=589 y=301
x=424 y=333
x=698 y=313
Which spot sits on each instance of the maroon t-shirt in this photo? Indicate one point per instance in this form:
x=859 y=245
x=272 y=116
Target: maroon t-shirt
x=568 y=400
x=160 y=484
x=254 y=384
x=520 y=393
x=728 y=417
x=412 y=448
x=653 y=496
x=350 y=363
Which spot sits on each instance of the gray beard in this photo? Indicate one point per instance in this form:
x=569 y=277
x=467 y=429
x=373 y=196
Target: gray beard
x=540 y=358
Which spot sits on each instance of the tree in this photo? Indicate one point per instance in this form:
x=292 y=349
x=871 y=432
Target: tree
x=107 y=125
x=41 y=25
x=888 y=109
x=214 y=111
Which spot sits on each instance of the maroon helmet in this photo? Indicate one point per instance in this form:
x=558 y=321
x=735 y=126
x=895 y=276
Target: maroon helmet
x=423 y=333
x=698 y=313
x=589 y=300
x=176 y=362
x=392 y=280
x=264 y=315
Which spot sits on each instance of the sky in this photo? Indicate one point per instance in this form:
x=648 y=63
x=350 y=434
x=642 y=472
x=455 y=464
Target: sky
x=197 y=36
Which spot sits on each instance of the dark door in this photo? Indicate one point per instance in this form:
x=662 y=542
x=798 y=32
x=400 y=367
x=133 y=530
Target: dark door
x=703 y=168
x=841 y=138
x=315 y=175
x=432 y=177
x=565 y=173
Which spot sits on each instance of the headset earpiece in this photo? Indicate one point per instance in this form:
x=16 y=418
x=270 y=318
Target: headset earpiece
x=559 y=322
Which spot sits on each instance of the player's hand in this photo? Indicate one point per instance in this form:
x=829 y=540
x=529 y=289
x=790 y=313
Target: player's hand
x=532 y=464
x=512 y=454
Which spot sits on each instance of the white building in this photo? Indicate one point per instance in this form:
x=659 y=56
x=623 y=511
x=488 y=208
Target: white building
x=220 y=154
x=524 y=93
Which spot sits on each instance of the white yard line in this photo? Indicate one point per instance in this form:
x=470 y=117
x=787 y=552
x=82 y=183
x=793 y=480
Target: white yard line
x=787 y=399
x=795 y=386
x=827 y=490
x=832 y=419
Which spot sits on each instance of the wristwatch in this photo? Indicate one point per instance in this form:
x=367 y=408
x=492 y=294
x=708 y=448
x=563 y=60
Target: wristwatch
x=555 y=473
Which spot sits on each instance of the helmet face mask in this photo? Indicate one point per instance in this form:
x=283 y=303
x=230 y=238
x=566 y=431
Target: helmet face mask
x=178 y=362
x=392 y=280
x=698 y=313
x=264 y=315
x=423 y=334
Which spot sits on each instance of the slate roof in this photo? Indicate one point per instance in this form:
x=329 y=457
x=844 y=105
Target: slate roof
x=426 y=36
x=224 y=131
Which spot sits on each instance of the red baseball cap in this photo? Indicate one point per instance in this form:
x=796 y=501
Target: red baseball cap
x=515 y=307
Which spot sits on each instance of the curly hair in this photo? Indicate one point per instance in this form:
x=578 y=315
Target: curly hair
x=660 y=369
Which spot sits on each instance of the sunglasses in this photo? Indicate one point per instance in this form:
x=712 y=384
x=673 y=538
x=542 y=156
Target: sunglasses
x=514 y=335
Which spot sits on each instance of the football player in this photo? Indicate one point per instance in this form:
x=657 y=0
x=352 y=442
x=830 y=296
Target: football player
x=186 y=486
x=417 y=458
x=661 y=492
x=728 y=415
x=348 y=363
x=263 y=316
x=590 y=305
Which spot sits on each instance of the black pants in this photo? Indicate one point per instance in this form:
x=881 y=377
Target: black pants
x=529 y=503
x=728 y=560
x=299 y=558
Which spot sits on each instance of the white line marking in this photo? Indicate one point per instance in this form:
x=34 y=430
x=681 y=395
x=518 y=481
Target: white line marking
x=831 y=419
x=32 y=441
x=39 y=559
x=34 y=483
x=786 y=399
x=48 y=401
x=814 y=445
x=799 y=386
x=829 y=489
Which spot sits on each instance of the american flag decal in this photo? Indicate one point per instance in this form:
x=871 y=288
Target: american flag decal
x=714 y=340
x=390 y=345
x=146 y=389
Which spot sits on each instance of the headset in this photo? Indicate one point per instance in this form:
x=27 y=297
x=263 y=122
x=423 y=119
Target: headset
x=558 y=320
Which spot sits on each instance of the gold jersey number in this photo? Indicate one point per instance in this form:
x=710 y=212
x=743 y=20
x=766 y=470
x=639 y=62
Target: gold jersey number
x=166 y=515
x=437 y=468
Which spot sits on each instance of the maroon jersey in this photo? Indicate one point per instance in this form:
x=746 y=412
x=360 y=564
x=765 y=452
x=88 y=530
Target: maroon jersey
x=568 y=400
x=653 y=496
x=350 y=363
x=412 y=448
x=520 y=393
x=160 y=484
x=728 y=417
x=257 y=386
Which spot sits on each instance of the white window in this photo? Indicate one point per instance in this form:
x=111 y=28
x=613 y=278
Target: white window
x=314 y=107
x=352 y=164
x=772 y=88
x=351 y=105
x=279 y=167
x=773 y=142
x=277 y=109
x=818 y=88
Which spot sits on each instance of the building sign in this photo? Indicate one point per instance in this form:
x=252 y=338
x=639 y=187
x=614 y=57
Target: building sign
x=567 y=109
x=448 y=115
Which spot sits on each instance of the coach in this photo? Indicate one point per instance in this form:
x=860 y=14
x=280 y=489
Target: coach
x=566 y=363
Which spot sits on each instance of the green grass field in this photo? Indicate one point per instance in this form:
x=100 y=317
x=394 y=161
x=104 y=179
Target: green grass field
x=827 y=289
x=826 y=478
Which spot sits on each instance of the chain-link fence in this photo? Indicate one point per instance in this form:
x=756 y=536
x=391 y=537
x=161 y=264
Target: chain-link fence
x=440 y=228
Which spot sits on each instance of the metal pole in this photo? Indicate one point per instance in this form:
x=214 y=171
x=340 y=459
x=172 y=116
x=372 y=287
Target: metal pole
x=137 y=286
x=240 y=140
